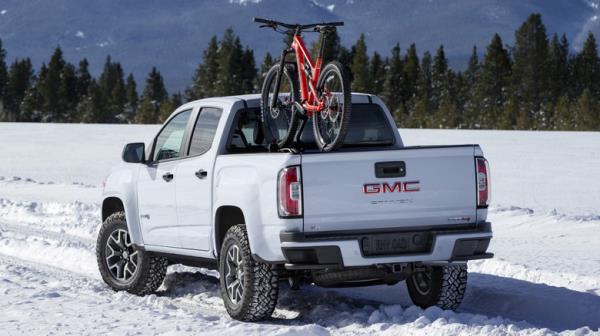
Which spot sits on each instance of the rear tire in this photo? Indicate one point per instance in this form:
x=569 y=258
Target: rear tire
x=124 y=267
x=331 y=124
x=249 y=288
x=442 y=286
x=280 y=124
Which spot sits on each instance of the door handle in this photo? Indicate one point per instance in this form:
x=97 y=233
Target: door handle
x=168 y=177
x=201 y=174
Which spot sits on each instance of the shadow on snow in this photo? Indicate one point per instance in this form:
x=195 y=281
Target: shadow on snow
x=490 y=300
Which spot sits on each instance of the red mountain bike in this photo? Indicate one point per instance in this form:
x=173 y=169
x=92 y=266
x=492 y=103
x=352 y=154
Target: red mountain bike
x=324 y=95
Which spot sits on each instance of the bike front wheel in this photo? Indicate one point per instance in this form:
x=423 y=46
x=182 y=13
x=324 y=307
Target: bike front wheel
x=330 y=125
x=278 y=110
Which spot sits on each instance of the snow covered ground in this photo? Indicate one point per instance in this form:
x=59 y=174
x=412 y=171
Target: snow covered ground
x=545 y=278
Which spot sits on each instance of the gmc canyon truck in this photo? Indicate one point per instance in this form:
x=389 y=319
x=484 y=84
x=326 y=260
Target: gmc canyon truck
x=207 y=192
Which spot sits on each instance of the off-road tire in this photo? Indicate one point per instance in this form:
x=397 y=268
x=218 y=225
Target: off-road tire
x=447 y=287
x=291 y=75
x=150 y=272
x=261 y=287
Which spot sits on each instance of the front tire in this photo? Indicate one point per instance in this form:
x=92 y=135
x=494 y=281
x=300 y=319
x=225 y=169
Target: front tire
x=280 y=122
x=124 y=267
x=441 y=286
x=249 y=288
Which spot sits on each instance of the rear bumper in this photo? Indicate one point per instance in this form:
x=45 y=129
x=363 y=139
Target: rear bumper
x=316 y=251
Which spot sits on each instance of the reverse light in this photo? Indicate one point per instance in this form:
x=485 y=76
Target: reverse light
x=484 y=192
x=289 y=192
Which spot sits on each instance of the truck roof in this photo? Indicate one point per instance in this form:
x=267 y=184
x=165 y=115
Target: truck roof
x=357 y=97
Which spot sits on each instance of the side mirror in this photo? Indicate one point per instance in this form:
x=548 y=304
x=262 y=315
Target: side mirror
x=134 y=152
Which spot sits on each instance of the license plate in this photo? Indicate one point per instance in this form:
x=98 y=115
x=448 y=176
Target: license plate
x=396 y=243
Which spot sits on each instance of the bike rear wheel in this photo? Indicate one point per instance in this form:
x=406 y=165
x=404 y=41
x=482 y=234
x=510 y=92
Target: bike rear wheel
x=280 y=122
x=330 y=125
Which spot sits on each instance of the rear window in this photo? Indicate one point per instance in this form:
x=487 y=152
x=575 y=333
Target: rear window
x=369 y=126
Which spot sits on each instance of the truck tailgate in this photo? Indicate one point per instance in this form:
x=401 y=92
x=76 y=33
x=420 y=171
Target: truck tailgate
x=416 y=187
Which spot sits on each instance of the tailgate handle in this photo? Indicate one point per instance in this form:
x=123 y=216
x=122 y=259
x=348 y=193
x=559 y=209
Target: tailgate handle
x=390 y=169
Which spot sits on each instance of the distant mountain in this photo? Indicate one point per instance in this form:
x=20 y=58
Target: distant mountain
x=172 y=34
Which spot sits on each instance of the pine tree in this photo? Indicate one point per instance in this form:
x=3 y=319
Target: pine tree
x=131 y=98
x=424 y=92
x=3 y=82
x=153 y=97
x=586 y=67
x=586 y=112
x=112 y=85
x=508 y=115
x=264 y=68
x=68 y=95
x=439 y=78
x=420 y=115
x=469 y=89
x=447 y=114
x=147 y=112
x=392 y=89
x=530 y=71
x=205 y=77
x=492 y=85
x=458 y=93
x=48 y=87
x=91 y=108
x=31 y=106
x=360 y=66
x=558 y=67
x=84 y=78
x=230 y=71
x=377 y=74
x=20 y=79
x=410 y=79
x=155 y=87
x=472 y=67
x=248 y=71
x=169 y=106
x=563 y=117
x=345 y=58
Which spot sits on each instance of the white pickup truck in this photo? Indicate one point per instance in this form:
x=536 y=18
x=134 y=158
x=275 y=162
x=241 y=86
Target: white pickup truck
x=207 y=192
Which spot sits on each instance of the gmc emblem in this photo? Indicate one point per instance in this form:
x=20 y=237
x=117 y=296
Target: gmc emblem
x=398 y=187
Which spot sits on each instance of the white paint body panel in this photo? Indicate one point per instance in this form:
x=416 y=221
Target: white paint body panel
x=249 y=182
x=157 y=207
x=194 y=202
x=334 y=198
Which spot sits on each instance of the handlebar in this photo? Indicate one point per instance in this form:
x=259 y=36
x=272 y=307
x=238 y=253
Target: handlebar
x=273 y=24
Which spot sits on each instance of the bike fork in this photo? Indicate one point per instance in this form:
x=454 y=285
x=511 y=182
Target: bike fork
x=284 y=54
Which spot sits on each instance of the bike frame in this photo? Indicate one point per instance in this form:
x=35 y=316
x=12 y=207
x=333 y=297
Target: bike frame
x=308 y=74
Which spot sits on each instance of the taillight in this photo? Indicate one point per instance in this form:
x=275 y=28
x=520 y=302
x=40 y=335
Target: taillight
x=484 y=192
x=289 y=192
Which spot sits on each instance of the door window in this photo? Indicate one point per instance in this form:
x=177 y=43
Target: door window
x=168 y=141
x=204 y=130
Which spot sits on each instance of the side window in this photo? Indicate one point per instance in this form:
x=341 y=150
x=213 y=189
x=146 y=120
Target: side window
x=168 y=141
x=204 y=130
